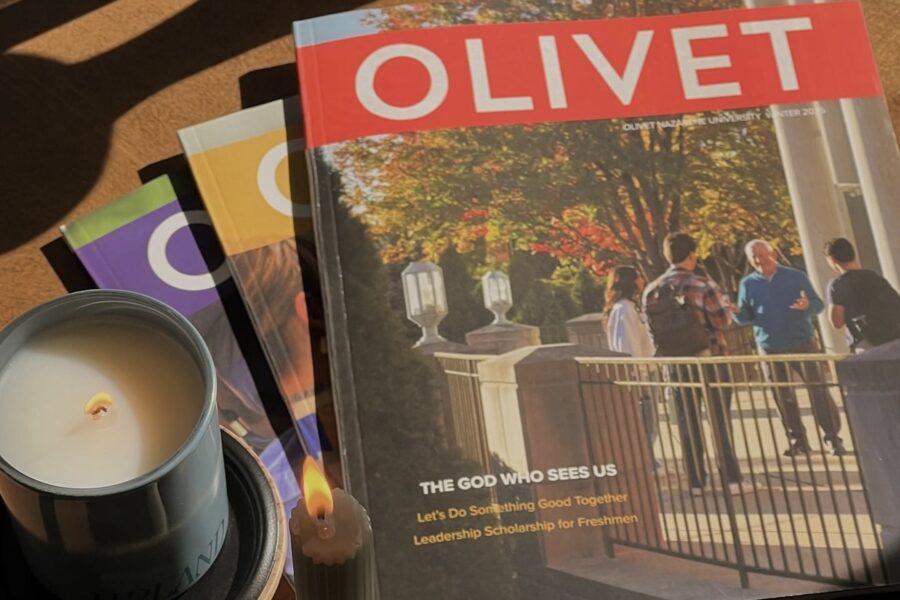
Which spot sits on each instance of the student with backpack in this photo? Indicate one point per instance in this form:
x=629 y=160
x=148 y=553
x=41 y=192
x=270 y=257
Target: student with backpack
x=687 y=316
x=860 y=300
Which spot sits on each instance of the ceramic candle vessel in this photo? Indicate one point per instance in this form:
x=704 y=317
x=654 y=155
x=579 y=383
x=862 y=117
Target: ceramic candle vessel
x=110 y=454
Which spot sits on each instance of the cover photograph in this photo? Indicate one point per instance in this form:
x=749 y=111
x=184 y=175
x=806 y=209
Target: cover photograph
x=250 y=171
x=611 y=294
x=158 y=241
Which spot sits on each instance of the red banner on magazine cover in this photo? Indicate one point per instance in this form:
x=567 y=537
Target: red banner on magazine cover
x=498 y=74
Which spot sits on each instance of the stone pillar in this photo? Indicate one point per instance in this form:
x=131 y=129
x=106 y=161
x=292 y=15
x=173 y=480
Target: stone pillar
x=536 y=419
x=498 y=338
x=872 y=403
x=500 y=407
x=441 y=345
x=588 y=331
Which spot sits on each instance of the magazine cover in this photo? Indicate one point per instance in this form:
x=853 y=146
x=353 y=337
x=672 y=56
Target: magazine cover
x=611 y=291
x=252 y=177
x=158 y=241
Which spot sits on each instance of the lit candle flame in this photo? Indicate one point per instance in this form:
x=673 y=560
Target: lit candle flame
x=99 y=404
x=318 y=498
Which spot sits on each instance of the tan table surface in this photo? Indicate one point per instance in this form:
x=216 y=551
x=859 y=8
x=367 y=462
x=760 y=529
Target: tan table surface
x=91 y=91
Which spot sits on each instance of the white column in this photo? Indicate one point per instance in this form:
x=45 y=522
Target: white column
x=819 y=209
x=837 y=143
x=878 y=164
x=877 y=160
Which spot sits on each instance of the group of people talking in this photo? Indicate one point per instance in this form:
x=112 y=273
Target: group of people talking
x=684 y=313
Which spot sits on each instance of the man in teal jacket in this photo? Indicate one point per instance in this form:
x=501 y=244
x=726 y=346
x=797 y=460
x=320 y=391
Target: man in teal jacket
x=781 y=303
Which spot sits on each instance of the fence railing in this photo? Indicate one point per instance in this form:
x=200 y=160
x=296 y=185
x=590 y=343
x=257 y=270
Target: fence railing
x=739 y=338
x=744 y=461
x=755 y=474
x=463 y=413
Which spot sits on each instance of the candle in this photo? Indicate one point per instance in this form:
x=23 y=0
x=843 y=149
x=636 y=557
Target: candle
x=332 y=544
x=85 y=405
x=110 y=454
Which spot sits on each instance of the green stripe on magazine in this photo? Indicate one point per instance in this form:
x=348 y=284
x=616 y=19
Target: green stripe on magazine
x=150 y=196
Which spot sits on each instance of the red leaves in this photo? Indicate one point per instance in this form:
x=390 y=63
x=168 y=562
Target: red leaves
x=576 y=235
x=474 y=214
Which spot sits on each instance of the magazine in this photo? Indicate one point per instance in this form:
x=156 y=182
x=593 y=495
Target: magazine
x=590 y=270
x=157 y=240
x=252 y=177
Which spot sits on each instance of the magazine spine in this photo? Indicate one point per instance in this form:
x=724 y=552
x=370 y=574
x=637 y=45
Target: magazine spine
x=340 y=350
x=198 y=162
x=304 y=34
x=94 y=261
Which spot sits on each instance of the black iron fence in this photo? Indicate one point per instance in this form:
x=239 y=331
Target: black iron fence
x=745 y=462
x=754 y=474
x=463 y=414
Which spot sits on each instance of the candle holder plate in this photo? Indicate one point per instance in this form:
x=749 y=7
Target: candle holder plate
x=248 y=566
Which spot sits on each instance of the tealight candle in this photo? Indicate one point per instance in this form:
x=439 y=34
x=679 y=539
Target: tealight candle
x=333 y=553
x=110 y=454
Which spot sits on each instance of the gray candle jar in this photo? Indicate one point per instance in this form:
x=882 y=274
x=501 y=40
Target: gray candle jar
x=151 y=537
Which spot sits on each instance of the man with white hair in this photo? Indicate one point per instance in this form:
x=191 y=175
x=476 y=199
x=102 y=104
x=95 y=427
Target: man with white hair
x=781 y=303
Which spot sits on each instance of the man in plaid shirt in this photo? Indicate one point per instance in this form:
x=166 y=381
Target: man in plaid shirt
x=714 y=315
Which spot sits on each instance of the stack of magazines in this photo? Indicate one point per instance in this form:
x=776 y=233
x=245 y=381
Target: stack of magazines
x=600 y=281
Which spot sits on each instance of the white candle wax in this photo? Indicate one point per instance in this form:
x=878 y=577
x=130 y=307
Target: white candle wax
x=155 y=386
x=348 y=520
x=331 y=537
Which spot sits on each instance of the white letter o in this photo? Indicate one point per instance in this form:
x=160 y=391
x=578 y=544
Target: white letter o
x=159 y=262
x=268 y=185
x=437 y=90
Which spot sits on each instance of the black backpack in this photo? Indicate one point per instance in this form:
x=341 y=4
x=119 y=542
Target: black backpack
x=678 y=327
x=879 y=322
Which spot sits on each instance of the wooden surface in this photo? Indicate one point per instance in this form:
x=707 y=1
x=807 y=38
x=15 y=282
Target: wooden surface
x=92 y=91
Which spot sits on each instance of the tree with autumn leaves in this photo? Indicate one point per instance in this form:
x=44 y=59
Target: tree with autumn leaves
x=588 y=194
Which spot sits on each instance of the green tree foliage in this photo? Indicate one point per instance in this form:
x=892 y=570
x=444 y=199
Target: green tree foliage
x=546 y=303
x=464 y=301
x=525 y=268
x=399 y=416
x=589 y=291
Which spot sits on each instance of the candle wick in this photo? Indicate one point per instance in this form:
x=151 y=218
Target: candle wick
x=99 y=404
x=325 y=525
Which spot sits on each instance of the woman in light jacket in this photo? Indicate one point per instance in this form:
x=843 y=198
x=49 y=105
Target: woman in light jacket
x=627 y=332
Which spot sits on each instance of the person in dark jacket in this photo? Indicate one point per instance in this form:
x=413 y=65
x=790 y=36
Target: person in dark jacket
x=860 y=300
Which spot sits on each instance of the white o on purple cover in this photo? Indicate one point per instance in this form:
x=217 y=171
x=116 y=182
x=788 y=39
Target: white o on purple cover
x=159 y=262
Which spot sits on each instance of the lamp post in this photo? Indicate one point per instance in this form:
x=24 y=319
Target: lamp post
x=501 y=335
x=497 y=294
x=425 y=299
